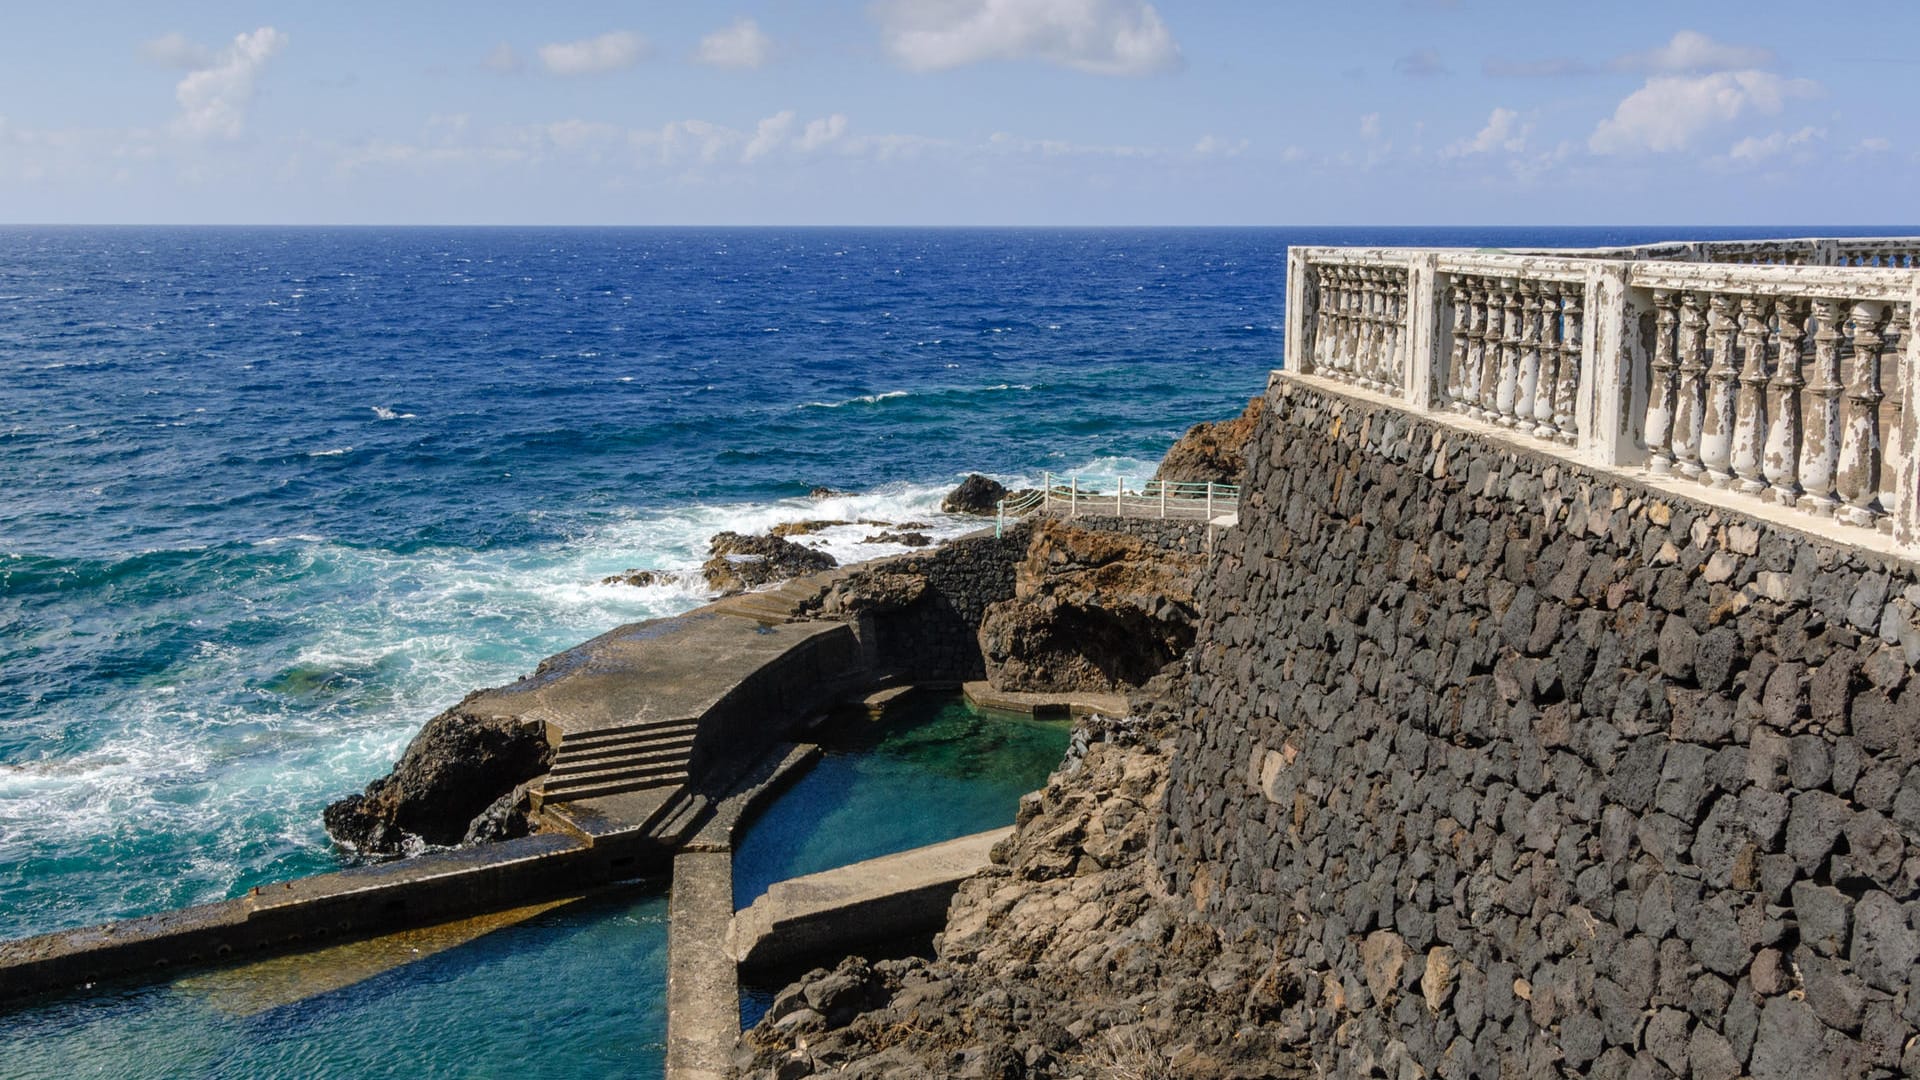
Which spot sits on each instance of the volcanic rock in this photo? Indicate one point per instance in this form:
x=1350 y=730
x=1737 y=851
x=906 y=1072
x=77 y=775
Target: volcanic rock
x=635 y=577
x=975 y=495
x=458 y=766
x=1091 y=610
x=736 y=563
x=796 y=528
x=910 y=539
x=1213 y=452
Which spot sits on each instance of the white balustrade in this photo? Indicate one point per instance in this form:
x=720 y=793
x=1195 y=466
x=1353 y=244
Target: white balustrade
x=1772 y=370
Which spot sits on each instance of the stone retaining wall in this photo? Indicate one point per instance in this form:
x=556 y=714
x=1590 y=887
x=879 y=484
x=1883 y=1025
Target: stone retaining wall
x=1523 y=769
x=936 y=637
x=1185 y=537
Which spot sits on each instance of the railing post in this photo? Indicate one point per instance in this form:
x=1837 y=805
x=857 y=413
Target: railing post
x=1906 y=485
x=1612 y=399
x=999 y=518
x=1301 y=302
x=1209 y=500
x=1046 y=491
x=1422 y=341
x=1163 y=498
x=1073 y=496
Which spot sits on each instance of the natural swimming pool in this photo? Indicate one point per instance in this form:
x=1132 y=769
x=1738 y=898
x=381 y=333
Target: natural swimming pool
x=572 y=991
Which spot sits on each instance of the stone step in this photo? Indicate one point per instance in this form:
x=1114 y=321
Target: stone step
x=613 y=787
x=617 y=770
x=648 y=729
x=677 y=750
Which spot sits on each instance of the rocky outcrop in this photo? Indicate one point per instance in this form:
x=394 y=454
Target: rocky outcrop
x=1215 y=452
x=799 y=528
x=976 y=495
x=905 y=539
x=736 y=563
x=1062 y=960
x=636 y=578
x=1092 y=610
x=454 y=770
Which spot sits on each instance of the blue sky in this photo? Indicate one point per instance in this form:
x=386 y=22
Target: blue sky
x=960 y=112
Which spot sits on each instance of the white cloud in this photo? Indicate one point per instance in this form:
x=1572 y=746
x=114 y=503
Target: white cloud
x=610 y=51
x=1215 y=146
x=502 y=59
x=1752 y=150
x=214 y=99
x=1693 y=52
x=1671 y=110
x=739 y=45
x=174 y=50
x=1875 y=144
x=1007 y=142
x=1504 y=131
x=1370 y=126
x=1103 y=37
x=823 y=131
x=771 y=134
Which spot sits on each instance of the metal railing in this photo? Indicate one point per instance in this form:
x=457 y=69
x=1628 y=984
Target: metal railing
x=1076 y=495
x=1775 y=370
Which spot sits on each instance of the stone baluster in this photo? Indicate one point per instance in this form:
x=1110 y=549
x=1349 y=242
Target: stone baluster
x=1326 y=297
x=1508 y=384
x=1342 y=323
x=1859 y=477
x=1470 y=378
x=1692 y=401
x=1750 y=417
x=1893 y=376
x=1820 y=449
x=1567 y=395
x=1527 y=377
x=1487 y=407
x=1660 y=404
x=1363 y=351
x=1457 y=358
x=1549 y=379
x=1716 y=427
x=1382 y=329
x=1782 y=453
x=1397 y=310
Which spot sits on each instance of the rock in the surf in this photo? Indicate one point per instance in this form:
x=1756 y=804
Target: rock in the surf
x=458 y=766
x=976 y=495
x=736 y=562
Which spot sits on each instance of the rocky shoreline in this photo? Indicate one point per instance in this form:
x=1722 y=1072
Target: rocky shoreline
x=1065 y=959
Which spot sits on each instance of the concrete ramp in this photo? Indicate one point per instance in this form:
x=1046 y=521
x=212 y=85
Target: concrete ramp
x=836 y=911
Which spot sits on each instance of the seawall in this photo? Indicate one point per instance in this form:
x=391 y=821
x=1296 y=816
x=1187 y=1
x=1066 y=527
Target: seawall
x=1523 y=768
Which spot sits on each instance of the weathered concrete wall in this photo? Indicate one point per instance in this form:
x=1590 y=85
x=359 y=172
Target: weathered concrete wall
x=1525 y=770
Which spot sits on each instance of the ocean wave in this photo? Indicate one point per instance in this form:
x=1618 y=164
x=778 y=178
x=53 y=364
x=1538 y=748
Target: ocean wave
x=383 y=413
x=863 y=399
x=330 y=453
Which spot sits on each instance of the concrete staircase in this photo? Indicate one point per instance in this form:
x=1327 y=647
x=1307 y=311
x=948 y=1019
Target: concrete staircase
x=608 y=761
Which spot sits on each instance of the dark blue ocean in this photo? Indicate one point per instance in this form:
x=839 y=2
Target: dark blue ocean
x=270 y=498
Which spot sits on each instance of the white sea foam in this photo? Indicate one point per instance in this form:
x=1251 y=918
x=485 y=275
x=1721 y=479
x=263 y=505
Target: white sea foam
x=863 y=399
x=384 y=413
x=330 y=453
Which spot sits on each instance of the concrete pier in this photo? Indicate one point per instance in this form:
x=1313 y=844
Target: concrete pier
x=836 y=911
x=703 y=988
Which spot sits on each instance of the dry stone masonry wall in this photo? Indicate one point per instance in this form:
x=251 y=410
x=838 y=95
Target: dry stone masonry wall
x=1523 y=769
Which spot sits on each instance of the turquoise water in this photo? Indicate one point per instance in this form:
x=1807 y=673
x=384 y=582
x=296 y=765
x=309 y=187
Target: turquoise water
x=575 y=992
x=935 y=769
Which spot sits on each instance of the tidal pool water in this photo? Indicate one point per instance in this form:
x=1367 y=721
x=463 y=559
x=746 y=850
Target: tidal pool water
x=935 y=768
x=575 y=990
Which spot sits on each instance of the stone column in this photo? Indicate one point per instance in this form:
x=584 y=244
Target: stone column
x=1750 y=423
x=1782 y=453
x=1426 y=337
x=1303 y=324
x=1716 y=428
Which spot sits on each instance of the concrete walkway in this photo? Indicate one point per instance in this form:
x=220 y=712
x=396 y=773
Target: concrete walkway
x=1072 y=703
x=838 y=910
x=703 y=987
